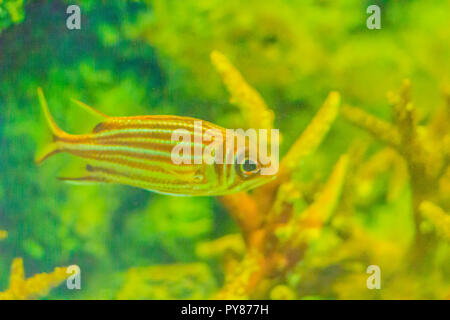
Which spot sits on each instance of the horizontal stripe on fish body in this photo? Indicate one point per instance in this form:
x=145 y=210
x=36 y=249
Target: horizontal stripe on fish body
x=135 y=162
x=162 y=123
x=167 y=145
x=131 y=151
x=156 y=176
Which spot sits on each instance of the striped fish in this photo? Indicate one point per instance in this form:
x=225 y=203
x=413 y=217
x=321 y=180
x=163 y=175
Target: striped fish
x=137 y=151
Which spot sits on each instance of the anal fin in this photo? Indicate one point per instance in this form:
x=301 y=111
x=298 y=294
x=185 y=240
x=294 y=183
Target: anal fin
x=86 y=180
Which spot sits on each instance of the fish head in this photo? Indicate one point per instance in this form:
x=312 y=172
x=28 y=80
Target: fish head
x=233 y=163
x=247 y=166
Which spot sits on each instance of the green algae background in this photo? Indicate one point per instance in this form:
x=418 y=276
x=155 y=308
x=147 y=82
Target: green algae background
x=153 y=57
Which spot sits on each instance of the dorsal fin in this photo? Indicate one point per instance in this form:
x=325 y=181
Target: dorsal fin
x=90 y=109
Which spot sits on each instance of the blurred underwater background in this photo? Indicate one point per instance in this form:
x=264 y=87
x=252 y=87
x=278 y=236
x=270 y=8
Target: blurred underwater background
x=365 y=149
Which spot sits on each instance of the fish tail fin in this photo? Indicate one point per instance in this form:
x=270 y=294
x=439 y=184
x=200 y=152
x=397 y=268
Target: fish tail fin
x=57 y=133
x=46 y=152
x=55 y=130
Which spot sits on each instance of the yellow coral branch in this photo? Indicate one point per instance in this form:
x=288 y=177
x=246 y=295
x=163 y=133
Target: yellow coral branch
x=17 y=276
x=380 y=129
x=438 y=217
x=255 y=111
x=218 y=247
x=313 y=135
x=3 y=234
x=31 y=288
x=319 y=212
x=306 y=144
x=244 y=210
x=307 y=227
x=384 y=160
x=244 y=278
x=404 y=112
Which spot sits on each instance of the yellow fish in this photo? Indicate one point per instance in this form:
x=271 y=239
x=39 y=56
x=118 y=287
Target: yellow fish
x=138 y=151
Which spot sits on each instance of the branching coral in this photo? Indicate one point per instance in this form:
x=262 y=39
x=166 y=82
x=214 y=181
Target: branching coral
x=422 y=148
x=281 y=241
x=255 y=111
x=232 y=243
x=307 y=143
x=3 y=234
x=437 y=216
x=277 y=234
x=31 y=288
x=385 y=160
x=283 y=228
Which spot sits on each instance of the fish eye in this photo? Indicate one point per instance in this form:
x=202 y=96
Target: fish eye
x=248 y=167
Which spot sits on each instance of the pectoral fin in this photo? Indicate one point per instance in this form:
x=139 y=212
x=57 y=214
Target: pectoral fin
x=190 y=177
